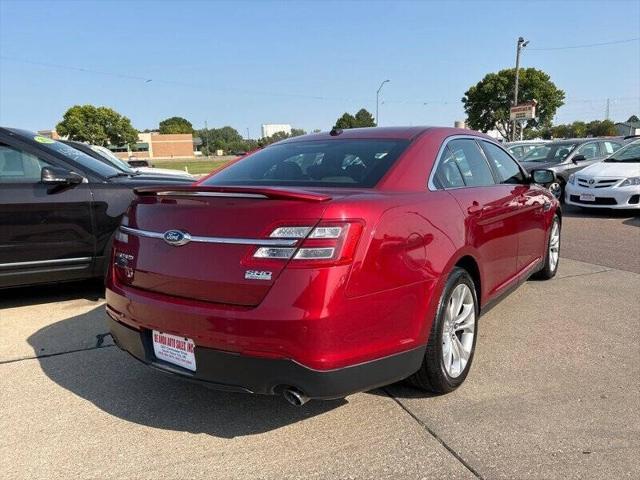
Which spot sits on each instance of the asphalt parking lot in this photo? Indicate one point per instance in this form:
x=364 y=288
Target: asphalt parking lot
x=554 y=392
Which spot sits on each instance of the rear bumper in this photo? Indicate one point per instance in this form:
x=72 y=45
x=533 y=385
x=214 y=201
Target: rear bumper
x=235 y=372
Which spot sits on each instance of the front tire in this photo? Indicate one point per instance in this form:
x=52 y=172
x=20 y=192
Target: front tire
x=552 y=256
x=452 y=339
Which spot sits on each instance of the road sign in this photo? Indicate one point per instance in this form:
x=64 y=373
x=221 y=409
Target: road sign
x=524 y=111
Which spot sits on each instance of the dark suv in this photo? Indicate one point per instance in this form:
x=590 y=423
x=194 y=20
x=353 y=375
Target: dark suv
x=59 y=209
x=565 y=157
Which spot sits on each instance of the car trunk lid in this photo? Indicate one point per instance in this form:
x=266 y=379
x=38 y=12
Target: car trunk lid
x=198 y=242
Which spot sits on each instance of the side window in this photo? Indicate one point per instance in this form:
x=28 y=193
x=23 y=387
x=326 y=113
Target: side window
x=503 y=163
x=589 y=150
x=448 y=174
x=471 y=163
x=17 y=166
x=518 y=151
x=609 y=147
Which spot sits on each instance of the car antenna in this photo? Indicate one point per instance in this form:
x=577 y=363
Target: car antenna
x=335 y=131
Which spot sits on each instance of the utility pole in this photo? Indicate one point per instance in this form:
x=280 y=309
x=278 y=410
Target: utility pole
x=521 y=44
x=378 y=101
x=606 y=112
x=248 y=137
x=206 y=137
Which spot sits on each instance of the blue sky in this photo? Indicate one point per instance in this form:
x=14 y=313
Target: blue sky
x=304 y=63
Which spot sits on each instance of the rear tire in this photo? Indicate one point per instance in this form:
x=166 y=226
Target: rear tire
x=452 y=339
x=552 y=256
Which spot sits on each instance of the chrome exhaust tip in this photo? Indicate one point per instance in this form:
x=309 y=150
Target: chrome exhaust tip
x=294 y=397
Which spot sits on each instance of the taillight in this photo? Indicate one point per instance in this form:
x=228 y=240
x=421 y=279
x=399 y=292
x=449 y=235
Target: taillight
x=329 y=243
x=122 y=258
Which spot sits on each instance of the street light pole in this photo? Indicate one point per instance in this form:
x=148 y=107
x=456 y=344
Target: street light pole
x=521 y=44
x=378 y=101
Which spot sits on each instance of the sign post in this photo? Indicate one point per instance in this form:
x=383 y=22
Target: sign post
x=523 y=112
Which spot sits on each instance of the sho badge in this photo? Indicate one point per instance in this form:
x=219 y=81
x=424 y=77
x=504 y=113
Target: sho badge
x=257 y=275
x=176 y=237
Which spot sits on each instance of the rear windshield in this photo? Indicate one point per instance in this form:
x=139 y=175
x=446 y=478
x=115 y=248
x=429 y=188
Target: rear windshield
x=334 y=163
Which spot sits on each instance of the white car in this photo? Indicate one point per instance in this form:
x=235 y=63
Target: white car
x=612 y=183
x=108 y=154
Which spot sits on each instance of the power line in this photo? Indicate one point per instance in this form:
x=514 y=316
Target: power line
x=588 y=45
x=156 y=81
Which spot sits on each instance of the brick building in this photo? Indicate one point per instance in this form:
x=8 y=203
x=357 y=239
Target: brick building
x=159 y=146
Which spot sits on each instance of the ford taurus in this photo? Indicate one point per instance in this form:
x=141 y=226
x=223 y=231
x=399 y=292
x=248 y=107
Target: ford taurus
x=331 y=263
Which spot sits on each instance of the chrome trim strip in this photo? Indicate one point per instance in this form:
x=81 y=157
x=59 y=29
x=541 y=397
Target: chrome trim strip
x=212 y=194
x=37 y=263
x=269 y=242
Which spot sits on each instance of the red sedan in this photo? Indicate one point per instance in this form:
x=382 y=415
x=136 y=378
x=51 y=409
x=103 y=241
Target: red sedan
x=331 y=263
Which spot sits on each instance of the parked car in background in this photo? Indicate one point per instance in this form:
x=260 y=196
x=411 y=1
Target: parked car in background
x=612 y=183
x=59 y=209
x=329 y=264
x=105 y=155
x=565 y=157
x=138 y=162
x=521 y=148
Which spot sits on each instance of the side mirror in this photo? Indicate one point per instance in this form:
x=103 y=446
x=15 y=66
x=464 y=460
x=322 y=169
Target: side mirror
x=544 y=177
x=59 y=176
x=578 y=158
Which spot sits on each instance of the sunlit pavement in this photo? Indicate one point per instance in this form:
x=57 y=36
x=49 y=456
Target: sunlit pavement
x=554 y=392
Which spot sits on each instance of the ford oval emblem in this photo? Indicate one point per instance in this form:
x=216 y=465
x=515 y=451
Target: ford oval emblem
x=176 y=238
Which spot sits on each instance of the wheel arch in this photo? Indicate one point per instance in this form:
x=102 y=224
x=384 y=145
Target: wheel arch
x=471 y=266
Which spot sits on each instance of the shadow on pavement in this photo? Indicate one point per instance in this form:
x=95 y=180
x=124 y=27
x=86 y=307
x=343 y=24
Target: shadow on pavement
x=121 y=386
x=23 y=296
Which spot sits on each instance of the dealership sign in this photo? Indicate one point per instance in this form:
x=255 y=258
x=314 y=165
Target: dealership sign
x=524 y=111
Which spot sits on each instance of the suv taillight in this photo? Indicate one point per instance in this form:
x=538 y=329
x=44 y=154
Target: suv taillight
x=329 y=243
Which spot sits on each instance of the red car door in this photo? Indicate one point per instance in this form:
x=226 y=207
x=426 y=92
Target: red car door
x=531 y=203
x=490 y=210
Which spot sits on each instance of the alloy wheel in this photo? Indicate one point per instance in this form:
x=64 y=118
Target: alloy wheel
x=556 y=190
x=458 y=330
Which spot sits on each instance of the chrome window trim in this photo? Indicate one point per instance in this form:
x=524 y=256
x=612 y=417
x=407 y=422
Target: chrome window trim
x=38 y=263
x=269 y=242
x=432 y=187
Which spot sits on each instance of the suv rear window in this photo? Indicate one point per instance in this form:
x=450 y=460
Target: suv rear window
x=334 y=163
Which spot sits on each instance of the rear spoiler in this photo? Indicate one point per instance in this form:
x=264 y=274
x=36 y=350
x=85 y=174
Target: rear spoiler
x=233 y=192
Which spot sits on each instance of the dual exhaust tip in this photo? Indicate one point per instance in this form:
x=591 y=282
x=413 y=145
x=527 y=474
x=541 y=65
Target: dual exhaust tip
x=294 y=396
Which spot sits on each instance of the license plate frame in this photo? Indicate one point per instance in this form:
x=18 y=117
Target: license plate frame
x=174 y=349
x=587 y=197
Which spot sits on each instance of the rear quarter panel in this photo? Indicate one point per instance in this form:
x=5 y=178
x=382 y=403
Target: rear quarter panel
x=406 y=247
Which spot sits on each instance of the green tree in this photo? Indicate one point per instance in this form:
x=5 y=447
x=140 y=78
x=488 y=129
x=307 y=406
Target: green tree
x=276 y=137
x=578 y=129
x=364 y=119
x=488 y=102
x=561 y=131
x=346 y=121
x=361 y=119
x=225 y=138
x=604 y=128
x=97 y=125
x=176 y=125
x=633 y=119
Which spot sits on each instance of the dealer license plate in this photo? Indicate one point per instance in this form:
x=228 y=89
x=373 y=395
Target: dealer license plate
x=174 y=349
x=587 y=197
